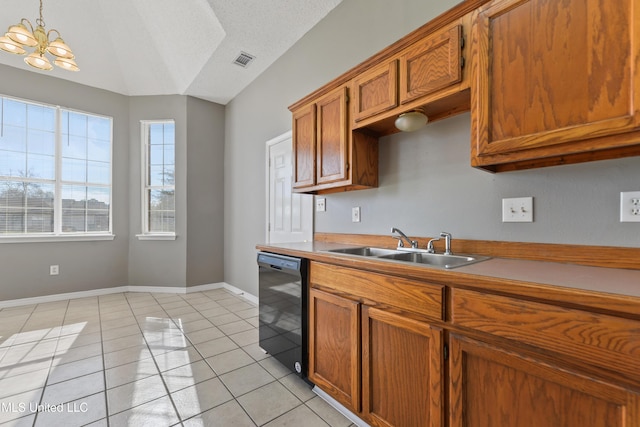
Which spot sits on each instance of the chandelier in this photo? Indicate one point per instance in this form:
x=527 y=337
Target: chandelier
x=19 y=37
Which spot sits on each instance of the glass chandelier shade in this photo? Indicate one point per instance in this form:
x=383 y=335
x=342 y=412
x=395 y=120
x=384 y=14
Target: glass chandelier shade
x=22 y=35
x=10 y=46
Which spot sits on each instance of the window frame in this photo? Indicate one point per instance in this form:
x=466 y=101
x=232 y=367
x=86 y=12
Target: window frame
x=146 y=234
x=57 y=234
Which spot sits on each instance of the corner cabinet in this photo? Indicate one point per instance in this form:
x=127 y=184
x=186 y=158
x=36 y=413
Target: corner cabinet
x=327 y=156
x=554 y=82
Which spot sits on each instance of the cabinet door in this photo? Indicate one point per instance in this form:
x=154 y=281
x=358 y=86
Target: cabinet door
x=549 y=72
x=332 y=149
x=375 y=91
x=431 y=64
x=304 y=146
x=334 y=347
x=497 y=387
x=402 y=377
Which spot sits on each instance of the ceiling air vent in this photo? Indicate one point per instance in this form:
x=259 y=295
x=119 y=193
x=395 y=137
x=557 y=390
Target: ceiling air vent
x=244 y=59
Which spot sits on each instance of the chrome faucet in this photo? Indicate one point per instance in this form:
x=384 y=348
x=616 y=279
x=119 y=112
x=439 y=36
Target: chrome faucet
x=430 y=249
x=447 y=243
x=413 y=243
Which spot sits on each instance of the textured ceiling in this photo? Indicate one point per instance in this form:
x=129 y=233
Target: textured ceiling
x=162 y=47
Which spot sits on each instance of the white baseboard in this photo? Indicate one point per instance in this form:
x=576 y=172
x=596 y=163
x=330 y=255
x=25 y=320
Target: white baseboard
x=106 y=291
x=339 y=407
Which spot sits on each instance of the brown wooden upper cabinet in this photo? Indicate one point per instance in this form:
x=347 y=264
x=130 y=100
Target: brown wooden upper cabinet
x=554 y=82
x=375 y=90
x=431 y=64
x=426 y=74
x=327 y=155
x=320 y=139
x=304 y=146
x=332 y=159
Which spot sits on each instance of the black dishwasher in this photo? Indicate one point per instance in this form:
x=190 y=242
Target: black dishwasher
x=282 y=306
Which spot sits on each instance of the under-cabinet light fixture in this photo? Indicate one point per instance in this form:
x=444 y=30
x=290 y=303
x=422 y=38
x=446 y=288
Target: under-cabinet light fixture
x=411 y=120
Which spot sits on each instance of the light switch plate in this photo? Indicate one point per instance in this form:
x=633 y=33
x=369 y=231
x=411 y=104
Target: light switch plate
x=630 y=206
x=355 y=214
x=518 y=209
x=321 y=205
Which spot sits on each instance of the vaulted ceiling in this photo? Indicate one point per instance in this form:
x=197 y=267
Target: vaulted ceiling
x=162 y=47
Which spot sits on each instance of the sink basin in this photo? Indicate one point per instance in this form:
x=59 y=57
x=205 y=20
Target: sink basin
x=366 y=251
x=439 y=260
x=416 y=256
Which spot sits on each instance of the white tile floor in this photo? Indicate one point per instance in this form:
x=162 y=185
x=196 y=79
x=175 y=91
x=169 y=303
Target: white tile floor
x=143 y=359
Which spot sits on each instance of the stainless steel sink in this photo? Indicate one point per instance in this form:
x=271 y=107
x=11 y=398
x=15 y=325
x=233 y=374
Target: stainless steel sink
x=416 y=256
x=366 y=251
x=440 y=260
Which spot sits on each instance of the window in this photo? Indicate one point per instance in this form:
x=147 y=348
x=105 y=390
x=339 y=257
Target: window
x=158 y=200
x=55 y=171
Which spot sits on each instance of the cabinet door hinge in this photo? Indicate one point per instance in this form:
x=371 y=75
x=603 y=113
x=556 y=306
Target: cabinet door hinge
x=445 y=352
x=462 y=62
x=346 y=166
x=461 y=42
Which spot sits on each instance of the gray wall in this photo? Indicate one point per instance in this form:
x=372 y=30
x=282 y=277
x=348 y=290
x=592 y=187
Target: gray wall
x=205 y=192
x=195 y=257
x=154 y=262
x=24 y=267
x=426 y=183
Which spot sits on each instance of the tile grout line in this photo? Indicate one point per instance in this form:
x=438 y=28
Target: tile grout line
x=255 y=361
x=44 y=387
x=173 y=320
x=205 y=360
x=104 y=365
x=153 y=357
x=233 y=397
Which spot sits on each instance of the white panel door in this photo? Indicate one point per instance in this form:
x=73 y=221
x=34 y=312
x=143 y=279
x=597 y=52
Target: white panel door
x=290 y=215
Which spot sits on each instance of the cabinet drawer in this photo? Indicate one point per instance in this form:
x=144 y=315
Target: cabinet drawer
x=407 y=295
x=609 y=342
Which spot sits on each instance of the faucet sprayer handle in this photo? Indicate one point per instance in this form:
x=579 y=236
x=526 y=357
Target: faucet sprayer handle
x=430 y=248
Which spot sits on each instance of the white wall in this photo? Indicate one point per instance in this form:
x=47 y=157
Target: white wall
x=426 y=183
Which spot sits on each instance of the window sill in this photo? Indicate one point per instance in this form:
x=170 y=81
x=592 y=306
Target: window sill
x=156 y=236
x=47 y=238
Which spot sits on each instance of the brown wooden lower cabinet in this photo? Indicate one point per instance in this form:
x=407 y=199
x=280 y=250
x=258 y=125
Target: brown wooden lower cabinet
x=378 y=345
x=334 y=347
x=494 y=386
x=402 y=377
x=382 y=366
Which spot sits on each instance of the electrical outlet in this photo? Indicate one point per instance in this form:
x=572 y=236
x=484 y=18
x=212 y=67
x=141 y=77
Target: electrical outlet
x=54 y=270
x=355 y=214
x=321 y=205
x=630 y=206
x=517 y=209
